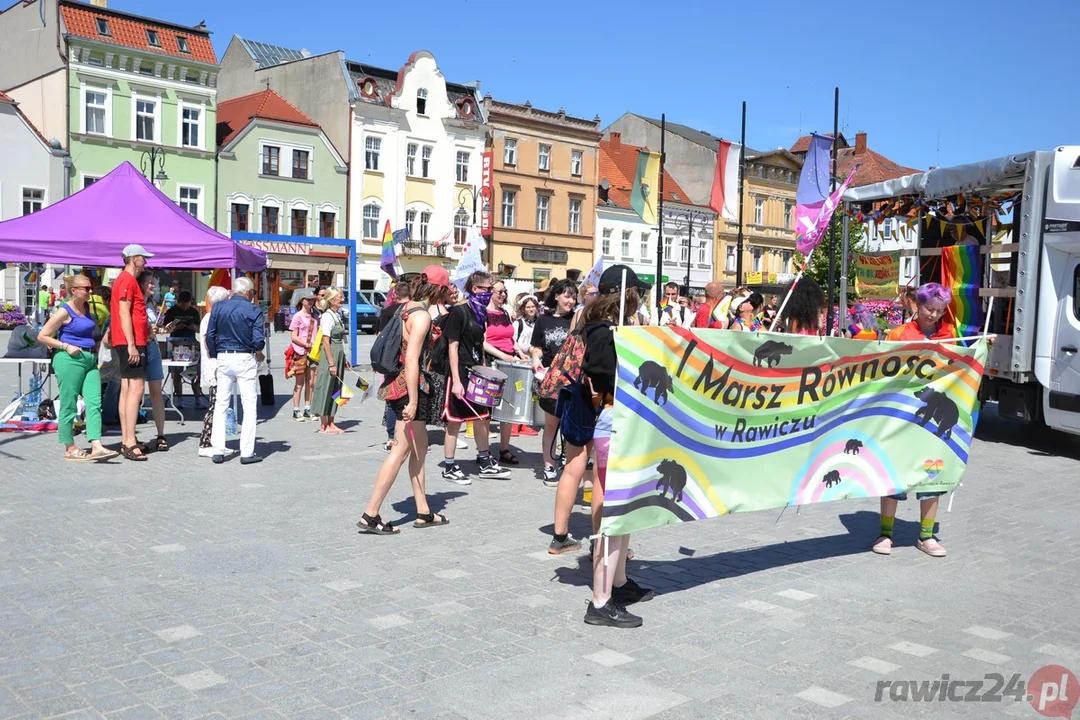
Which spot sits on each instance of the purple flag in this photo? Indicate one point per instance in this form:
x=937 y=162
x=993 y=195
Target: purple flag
x=813 y=194
x=812 y=229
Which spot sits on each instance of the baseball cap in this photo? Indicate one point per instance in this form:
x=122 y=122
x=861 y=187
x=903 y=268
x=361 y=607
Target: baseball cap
x=611 y=280
x=133 y=250
x=437 y=275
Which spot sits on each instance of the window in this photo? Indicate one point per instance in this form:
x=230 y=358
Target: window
x=410 y=159
x=189 y=201
x=684 y=252
x=327 y=220
x=759 y=211
x=152 y=38
x=144 y=120
x=907 y=267
x=371 y=220
x=372 y=148
x=625 y=245
x=756 y=253
x=102 y=26
x=510 y=151
x=703 y=253
x=575 y=163
x=421 y=102
x=299 y=222
x=575 y=216
x=191 y=77
x=182 y=44
x=425 y=222
x=605 y=243
x=410 y=222
x=240 y=217
x=425 y=161
x=730 y=259
x=508 y=204
x=190 y=130
x=95 y=61
x=89 y=180
x=300 y=164
x=32 y=200
x=886 y=229
x=544 y=156
x=95 y=113
x=271 y=155
x=462 y=166
x=146 y=70
x=785 y=261
x=787 y=216
x=461 y=227
x=270 y=220
x=645 y=245
x=667 y=248
x=543 y=203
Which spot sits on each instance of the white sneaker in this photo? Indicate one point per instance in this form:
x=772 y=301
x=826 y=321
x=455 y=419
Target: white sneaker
x=461 y=444
x=492 y=469
x=455 y=475
x=209 y=452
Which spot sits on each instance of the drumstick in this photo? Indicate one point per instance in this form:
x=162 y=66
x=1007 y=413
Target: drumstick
x=412 y=438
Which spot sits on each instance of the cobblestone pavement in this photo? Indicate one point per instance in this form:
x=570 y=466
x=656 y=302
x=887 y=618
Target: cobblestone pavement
x=177 y=588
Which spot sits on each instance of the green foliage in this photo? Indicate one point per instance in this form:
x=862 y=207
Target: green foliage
x=819 y=258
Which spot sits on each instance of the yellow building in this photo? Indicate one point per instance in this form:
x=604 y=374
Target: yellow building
x=543 y=191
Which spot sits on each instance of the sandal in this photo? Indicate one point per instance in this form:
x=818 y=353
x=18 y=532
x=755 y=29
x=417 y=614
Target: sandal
x=161 y=444
x=76 y=455
x=508 y=458
x=107 y=455
x=375 y=525
x=129 y=453
x=429 y=520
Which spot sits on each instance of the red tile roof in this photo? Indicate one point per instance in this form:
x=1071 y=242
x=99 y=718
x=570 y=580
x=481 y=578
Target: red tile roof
x=234 y=115
x=128 y=30
x=5 y=98
x=803 y=144
x=618 y=165
x=873 y=167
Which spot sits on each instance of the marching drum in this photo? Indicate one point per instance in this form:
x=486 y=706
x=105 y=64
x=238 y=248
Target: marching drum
x=485 y=386
x=517 y=401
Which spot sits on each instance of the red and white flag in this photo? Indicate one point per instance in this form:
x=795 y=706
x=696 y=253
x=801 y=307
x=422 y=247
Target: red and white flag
x=725 y=187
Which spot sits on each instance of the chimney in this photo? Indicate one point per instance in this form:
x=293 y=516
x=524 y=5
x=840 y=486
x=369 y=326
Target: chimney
x=99 y=3
x=860 y=143
x=615 y=139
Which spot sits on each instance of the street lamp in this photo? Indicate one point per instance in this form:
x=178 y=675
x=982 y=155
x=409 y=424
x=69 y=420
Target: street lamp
x=476 y=193
x=151 y=160
x=687 y=219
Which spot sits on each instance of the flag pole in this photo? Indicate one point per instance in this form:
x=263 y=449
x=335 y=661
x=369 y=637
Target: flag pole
x=660 y=217
x=742 y=172
x=832 y=236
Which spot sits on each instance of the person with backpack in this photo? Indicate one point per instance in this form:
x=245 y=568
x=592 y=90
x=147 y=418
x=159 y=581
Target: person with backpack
x=549 y=334
x=405 y=392
x=399 y=295
x=463 y=331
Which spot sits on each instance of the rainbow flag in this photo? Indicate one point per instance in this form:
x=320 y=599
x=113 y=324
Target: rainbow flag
x=961 y=271
x=30 y=277
x=646 y=190
x=389 y=255
x=344 y=395
x=221 y=278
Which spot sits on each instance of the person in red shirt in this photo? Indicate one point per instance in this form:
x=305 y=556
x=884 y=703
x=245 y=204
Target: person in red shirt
x=932 y=301
x=129 y=337
x=706 y=316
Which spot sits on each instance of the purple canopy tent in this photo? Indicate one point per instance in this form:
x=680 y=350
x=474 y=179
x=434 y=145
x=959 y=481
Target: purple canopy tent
x=91 y=228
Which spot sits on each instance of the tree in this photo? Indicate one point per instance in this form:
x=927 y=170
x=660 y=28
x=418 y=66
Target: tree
x=819 y=258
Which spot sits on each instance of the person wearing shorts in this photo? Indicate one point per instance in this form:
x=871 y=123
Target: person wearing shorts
x=129 y=337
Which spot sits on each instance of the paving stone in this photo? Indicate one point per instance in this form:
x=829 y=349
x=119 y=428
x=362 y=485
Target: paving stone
x=199 y=680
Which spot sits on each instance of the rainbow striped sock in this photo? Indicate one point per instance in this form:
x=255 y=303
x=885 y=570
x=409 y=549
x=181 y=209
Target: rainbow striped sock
x=886 y=525
x=926 y=528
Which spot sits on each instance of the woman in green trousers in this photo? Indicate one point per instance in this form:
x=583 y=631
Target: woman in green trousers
x=76 y=368
x=332 y=362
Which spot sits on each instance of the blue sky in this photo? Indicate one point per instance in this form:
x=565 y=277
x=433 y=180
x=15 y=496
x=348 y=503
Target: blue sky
x=977 y=79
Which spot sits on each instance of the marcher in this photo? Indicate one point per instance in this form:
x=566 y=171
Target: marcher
x=302 y=326
x=744 y=313
x=548 y=336
x=181 y=322
x=464 y=333
x=76 y=368
x=929 y=324
x=208 y=370
x=130 y=332
x=863 y=325
x=709 y=315
x=405 y=394
x=672 y=312
x=528 y=309
x=332 y=361
x=399 y=296
x=499 y=345
x=802 y=314
x=234 y=337
x=155 y=370
x=171 y=298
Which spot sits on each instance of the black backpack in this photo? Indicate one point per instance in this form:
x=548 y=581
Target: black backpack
x=386 y=351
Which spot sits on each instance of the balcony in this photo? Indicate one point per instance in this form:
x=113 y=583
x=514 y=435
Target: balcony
x=424 y=248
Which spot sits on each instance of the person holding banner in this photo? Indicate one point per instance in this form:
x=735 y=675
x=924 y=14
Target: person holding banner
x=932 y=302
x=802 y=313
x=672 y=311
x=620 y=295
x=744 y=313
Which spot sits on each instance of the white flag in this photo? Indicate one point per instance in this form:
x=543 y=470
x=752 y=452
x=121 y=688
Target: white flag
x=593 y=278
x=471 y=258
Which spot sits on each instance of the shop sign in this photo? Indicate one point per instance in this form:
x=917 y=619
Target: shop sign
x=281 y=248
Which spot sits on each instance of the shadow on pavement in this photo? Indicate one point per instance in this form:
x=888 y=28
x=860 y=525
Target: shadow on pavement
x=1037 y=439
x=688 y=572
x=436 y=501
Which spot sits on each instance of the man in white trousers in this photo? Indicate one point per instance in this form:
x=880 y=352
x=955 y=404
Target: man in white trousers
x=672 y=313
x=234 y=337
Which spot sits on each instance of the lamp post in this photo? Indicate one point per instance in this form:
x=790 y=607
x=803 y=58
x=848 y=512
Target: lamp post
x=476 y=193
x=687 y=219
x=152 y=165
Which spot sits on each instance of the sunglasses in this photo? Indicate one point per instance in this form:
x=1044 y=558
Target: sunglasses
x=501 y=292
x=484 y=288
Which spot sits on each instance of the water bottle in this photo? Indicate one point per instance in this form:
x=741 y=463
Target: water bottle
x=230 y=423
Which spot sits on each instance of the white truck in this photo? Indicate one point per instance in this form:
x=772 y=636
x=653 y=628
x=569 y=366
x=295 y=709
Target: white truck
x=1031 y=275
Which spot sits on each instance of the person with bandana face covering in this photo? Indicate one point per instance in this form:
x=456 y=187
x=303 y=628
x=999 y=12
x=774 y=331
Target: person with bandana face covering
x=464 y=332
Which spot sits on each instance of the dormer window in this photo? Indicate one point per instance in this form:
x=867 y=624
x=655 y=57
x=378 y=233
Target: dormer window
x=466 y=109
x=182 y=44
x=421 y=101
x=103 y=26
x=152 y=38
x=367 y=87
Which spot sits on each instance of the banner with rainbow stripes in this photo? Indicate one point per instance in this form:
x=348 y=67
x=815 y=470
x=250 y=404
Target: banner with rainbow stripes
x=710 y=422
